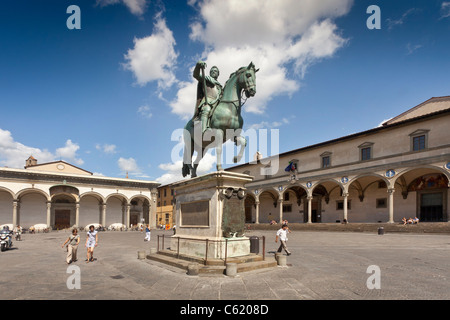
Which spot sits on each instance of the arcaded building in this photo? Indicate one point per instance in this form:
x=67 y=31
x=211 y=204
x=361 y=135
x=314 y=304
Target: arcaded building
x=60 y=195
x=400 y=169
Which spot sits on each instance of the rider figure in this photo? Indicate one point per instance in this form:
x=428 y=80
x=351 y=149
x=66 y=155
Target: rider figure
x=213 y=92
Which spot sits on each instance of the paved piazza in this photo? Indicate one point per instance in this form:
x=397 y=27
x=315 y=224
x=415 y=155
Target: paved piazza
x=323 y=265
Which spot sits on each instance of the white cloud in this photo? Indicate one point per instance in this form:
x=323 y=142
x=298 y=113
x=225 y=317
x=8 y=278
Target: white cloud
x=282 y=38
x=136 y=7
x=131 y=167
x=270 y=125
x=145 y=111
x=69 y=152
x=153 y=58
x=412 y=48
x=13 y=154
x=392 y=23
x=107 y=148
x=128 y=165
x=445 y=10
x=174 y=174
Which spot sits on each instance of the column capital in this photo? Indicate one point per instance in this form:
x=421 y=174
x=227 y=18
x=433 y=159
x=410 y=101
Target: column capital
x=345 y=194
x=391 y=190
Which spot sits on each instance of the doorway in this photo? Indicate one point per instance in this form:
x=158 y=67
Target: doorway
x=62 y=219
x=431 y=207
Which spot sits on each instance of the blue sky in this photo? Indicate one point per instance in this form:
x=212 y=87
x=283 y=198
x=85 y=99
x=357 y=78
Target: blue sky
x=108 y=97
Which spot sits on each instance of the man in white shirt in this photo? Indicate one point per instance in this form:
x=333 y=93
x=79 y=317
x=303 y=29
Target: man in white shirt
x=282 y=235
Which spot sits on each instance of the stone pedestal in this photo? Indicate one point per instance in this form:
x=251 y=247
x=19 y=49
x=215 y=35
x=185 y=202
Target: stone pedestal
x=210 y=216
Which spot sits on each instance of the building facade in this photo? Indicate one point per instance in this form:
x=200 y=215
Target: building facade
x=400 y=169
x=60 y=195
x=165 y=206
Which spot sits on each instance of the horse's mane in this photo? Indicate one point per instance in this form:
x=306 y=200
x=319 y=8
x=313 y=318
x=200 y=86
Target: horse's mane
x=233 y=74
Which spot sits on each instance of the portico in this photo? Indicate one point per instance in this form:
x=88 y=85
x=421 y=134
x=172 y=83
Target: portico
x=63 y=198
x=400 y=169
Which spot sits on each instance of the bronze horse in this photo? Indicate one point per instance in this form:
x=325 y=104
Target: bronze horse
x=225 y=116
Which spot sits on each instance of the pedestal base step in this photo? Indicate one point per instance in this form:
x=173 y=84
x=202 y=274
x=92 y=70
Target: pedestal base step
x=213 y=266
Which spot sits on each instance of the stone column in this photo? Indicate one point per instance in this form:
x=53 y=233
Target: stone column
x=128 y=215
x=15 y=207
x=345 y=206
x=152 y=213
x=309 y=208
x=49 y=212
x=77 y=214
x=280 y=204
x=257 y=211
x=391 y=204
x=103 y=222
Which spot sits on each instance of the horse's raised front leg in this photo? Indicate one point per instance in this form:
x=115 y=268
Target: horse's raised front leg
x=242 y=142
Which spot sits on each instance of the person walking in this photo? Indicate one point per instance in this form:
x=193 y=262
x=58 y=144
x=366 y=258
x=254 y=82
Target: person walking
x=72 y=246
x=147 y=233
x=91 y=243
x=282 y=235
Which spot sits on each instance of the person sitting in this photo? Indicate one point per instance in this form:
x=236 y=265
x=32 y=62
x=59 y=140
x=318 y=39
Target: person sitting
x=416 y=220
x=410 y=221
x=404 y=220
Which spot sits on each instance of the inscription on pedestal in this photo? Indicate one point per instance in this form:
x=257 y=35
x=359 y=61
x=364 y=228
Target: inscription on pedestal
x=195 y=214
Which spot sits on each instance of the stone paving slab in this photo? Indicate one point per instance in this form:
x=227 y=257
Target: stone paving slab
x=323 y=266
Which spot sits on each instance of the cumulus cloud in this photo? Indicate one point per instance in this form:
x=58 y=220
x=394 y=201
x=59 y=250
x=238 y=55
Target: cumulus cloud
x=173 y=170
x=13 y=154
x=136 y=7
x=131 y=167
x=282 y=38
x=69 y=151
x=153 y=58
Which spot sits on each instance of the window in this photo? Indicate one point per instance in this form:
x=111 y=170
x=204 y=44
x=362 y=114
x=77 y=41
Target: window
x=340 y=205
x=325 y=160
x=419 y=143
x=382 y=185
x=365 y=151
x=267 y=171
x=382 y=203
x=287 y=207
x=419 y=140
x=286 y=196
x=165 y=192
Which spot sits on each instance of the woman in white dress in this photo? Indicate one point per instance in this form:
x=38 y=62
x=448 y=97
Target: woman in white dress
x=91 y=243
